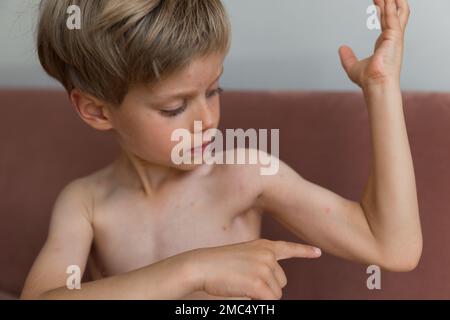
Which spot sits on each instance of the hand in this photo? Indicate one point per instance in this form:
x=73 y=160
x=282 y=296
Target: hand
x=385 y=64
x=248 y=269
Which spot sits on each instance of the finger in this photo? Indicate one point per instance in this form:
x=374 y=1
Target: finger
x=348 y=58
x=392 y=19
x=273 y=284
x=280 y=275
x=287 y=250
x=403 y=12
x=381 y=6
x=261 y=290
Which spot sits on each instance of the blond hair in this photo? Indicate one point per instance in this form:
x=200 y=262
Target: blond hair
x=122 y=43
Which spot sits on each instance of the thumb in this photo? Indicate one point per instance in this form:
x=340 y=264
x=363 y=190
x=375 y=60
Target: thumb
x=348 y=58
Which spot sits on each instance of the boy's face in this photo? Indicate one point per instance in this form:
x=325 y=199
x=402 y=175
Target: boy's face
x=147 y=117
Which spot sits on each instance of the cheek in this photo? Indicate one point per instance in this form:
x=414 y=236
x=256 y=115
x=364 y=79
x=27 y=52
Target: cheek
x=144 y=133
x=218 y=113
x=154 y=136
x=216 y=109
x=160 y=139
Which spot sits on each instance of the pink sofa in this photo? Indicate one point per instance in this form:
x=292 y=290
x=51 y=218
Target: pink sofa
x=323 y=135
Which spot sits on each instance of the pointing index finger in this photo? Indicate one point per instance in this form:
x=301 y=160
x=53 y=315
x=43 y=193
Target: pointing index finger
x=287 y=250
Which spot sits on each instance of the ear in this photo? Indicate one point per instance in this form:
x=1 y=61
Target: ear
x=91 y=110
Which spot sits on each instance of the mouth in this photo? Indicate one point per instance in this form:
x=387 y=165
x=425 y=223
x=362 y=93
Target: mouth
x=202 y=147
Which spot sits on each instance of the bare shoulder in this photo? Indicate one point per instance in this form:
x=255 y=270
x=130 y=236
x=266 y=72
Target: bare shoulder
x=245 y=175
x=79 y=194
x=74 y=198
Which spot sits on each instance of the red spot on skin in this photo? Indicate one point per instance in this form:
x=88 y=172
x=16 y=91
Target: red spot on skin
x=327 y=210
x=224 y=227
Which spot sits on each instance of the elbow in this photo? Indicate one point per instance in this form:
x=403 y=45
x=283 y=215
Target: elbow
x=401 y=265
x=403 y=261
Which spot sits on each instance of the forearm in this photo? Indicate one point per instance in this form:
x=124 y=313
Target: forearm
x=168 y=279
x=390 y=199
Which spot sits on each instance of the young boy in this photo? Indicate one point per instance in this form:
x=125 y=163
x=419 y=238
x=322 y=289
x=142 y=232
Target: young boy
x=150 y=229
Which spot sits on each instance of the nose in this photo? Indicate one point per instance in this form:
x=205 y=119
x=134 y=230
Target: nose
x=205 y=114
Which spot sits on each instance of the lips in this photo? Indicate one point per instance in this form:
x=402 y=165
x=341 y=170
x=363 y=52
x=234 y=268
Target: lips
x=202 y=147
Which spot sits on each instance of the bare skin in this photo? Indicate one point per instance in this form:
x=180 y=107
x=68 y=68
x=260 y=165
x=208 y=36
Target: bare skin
x=117 y=234
x=192 y=212
x=148 y=229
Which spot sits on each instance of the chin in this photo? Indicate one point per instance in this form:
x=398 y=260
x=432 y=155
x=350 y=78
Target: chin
x=188 y=167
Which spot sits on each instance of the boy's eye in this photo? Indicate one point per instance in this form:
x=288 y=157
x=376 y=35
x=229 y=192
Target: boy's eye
x=215 y=92
x=175 y=112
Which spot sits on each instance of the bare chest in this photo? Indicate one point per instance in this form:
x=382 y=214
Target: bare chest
x=129 y=235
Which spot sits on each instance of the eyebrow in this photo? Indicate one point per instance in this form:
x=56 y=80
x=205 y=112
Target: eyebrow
x=186 y=93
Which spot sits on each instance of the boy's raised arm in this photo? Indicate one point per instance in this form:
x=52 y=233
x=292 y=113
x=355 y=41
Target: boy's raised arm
x=384 y=227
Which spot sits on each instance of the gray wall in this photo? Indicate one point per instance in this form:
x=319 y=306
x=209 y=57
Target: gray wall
x=277 y=44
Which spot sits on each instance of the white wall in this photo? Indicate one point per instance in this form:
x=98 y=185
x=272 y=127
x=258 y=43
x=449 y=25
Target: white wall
x=277 y=44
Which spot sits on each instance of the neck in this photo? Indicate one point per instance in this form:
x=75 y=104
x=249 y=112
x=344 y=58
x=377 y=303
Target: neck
x=147 y=176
